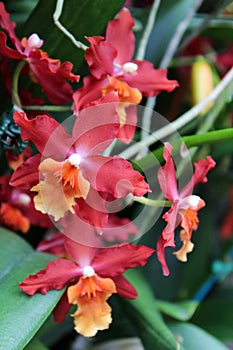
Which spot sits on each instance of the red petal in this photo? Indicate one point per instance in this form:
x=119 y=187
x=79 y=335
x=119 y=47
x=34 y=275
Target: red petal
x=95 y=128
x=111 y=262
x=160 y=250
x=61 y=309
x=119 y=229
x=100 y=56
x=202 y=167
x=124 y=288
x=6 y=51
x=9 y=26
x=127 y=131
x=119 y=33
x=27 y=174
x=124 y=179
x=148 y=80
x=167 y=175
x=44 y=131
x=52 y=77
x=91 y=91
x=55 y=276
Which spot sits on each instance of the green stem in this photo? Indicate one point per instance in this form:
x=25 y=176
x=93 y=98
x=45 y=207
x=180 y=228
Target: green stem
x=15 y=84
x=189 y=141
x=152 y=202
x=48 y=108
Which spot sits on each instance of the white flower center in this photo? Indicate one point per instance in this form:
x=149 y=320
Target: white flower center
x=24 y=199
x=88 y=271
x=34 y=41
x=193 y=201
x=75 y=159
x=130 y=68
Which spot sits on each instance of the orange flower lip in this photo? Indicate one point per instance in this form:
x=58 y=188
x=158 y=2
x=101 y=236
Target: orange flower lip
x=125 y=92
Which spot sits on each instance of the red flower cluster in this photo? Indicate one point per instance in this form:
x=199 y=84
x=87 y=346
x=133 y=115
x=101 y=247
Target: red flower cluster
x=70 y=180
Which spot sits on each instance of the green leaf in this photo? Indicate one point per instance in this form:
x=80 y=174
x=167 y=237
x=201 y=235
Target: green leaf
x=146 y=317
x=169 y=16
x=21 y=315
x=35 y=344
x=81 y=18
x=195 y=338
x=181 y=311
x=216 y=317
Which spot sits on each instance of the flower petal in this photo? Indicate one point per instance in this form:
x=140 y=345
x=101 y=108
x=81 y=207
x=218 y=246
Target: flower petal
x=95 y=128
x=6 y=51
x=186 y=248
x=61 y=309
x=44 y=130
x=100 y=56
x=119 y=33
x=52 y=75
x=53 y=198
x=167 y=175
x=56 y=275
x=148 y=80
x=93 y=313
x=202 y=167
x=124 y=179
x=13 y=218
x=115 y=261
x=27 y=174
x=124 y=288
x=160 y=251
x=9 y=27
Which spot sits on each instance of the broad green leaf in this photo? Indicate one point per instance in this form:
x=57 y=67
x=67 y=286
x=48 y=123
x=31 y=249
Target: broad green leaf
x=35 y=344
x=21 y=315
x=181 y=311
x=195 y=338
x=82 y=18
x=216 y=317
x=169 y=16
x=146 y=317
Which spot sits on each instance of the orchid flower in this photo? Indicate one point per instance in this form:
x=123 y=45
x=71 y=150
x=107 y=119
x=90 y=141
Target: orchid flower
x=91 y=276
x=75 y=175
x=113 y=70
x=49 y=73
x=17 y=209
x=185 y=206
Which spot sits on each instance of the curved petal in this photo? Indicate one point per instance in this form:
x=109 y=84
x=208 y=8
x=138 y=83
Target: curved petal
x=6 y=51
x=119 y=33
x=44 y=131
x=148 y=80
x=9 y=27
x=160 y=251
x=61 y=309
x=167 y=175
x=27 y=174
x=56 y=275
x=100 y=56
x=52 y=77
x=119 y=229
x=124 y=288
x=124 y=179
x=127 y=131
x=202 y=167
x=95 y=129
x=115 y=261
x=91 y=91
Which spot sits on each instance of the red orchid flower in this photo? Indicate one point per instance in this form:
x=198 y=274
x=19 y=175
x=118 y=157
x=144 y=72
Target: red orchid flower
x=49 y=73
x=184 y=207
x=74 y=173
x=17 y=209
x=92 y=276
x=112 y=68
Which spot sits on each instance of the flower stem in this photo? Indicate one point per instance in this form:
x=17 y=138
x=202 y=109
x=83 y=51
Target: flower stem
x=15 y=84
x=152 y=202
x=56 y=15
x=184 y=119
x=48 y=108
